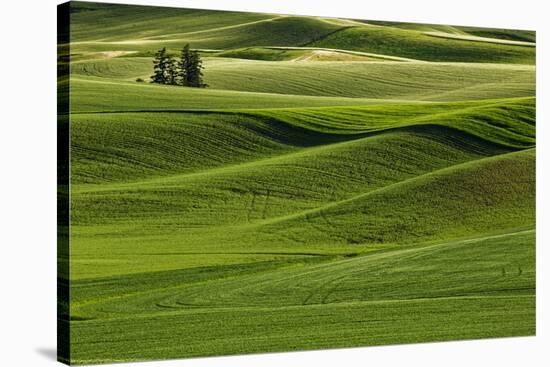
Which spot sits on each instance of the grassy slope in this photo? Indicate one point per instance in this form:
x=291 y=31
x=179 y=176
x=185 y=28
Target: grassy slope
x=156 y=144
x=283 y=31
x=259 y=53
x=485 y=291
x=188 y=172
x=488 y=279
x=296 y=54
x=443 y=204
x=248 y=214
x=274 y=31
x=473 y=38
x=418 y=45
x=201 y=333
x=136 y=29
x=390 y=80
x=509 y=122
x=486 y=270
x=101 y=95
x=368 y=79
x=504 y=34
x=111 y=22
x=328 y=220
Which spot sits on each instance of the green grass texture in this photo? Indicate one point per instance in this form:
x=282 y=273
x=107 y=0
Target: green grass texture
x=339 y=183
x=380 y=79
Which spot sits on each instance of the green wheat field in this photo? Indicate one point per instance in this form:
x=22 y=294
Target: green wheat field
x=339 y=183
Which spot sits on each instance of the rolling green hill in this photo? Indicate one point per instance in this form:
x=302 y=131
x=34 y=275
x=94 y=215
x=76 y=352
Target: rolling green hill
x=205 y=31
x=489 y=297
x=300 y=54
x=136 y=28
x=159 y=170
x=380 y=80
x=139 y=143
x=101 y=95
x=497 y=34
x=110 y=22
x=338 y=183
x=419 y=45
x=472 y=198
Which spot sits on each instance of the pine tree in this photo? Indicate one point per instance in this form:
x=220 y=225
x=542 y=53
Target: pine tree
x=190 y=68
x=159 y=67
x=183 y=65
x=194 y=70
x=171 y=71
x=165 y=68
x=187 y=71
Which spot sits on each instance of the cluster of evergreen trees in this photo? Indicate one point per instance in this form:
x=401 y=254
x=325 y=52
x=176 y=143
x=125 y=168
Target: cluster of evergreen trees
x=187 y=71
